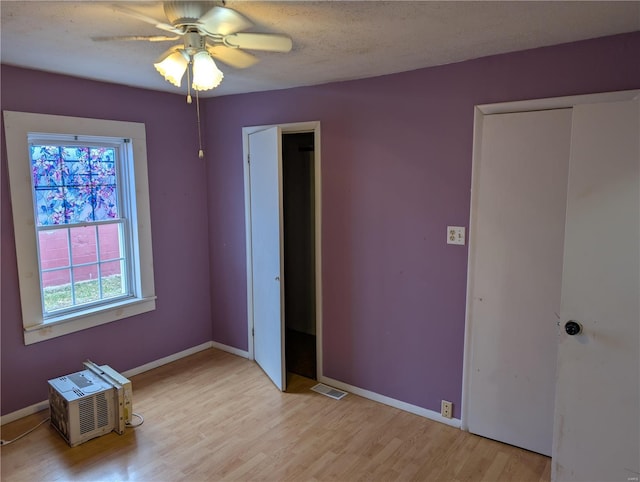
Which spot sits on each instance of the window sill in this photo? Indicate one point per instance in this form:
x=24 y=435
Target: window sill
x=63 y=325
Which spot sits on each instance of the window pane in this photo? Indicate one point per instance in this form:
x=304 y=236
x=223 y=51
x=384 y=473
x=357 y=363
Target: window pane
x=46 y=166
x=76 y=166
x=85 y=282
x=74 y=184
x=109 y=240
x=103 y=165
x=106 y=203
x=79 y=202
x=54 y=249
x=83 y=245
x=85 y=273
x=103 y=175
x=50 y=206
x=57 y=291
x=55 y=279
x=113 y=283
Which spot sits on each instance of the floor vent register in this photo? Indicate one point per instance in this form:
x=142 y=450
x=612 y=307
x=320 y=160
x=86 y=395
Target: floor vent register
x=329 y=391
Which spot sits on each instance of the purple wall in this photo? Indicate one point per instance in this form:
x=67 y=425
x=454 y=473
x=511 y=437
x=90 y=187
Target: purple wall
x=396 y=170
x=177 y=184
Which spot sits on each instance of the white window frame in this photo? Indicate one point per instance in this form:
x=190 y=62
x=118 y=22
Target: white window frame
x=18 y=126
x=126 y=216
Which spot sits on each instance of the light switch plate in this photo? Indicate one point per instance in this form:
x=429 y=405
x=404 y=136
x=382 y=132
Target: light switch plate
x=455 y=235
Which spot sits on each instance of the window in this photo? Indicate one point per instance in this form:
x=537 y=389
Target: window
x=83 y=237
x=80 y=222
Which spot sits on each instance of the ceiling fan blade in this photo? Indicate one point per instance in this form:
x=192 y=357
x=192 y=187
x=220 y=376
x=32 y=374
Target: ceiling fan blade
x=234 y=57
x=150 y=38
x=144 y=18
x=259 y=41
x=223 y=21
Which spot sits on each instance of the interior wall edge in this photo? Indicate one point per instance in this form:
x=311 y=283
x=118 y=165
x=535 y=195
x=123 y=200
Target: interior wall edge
x=231 y=349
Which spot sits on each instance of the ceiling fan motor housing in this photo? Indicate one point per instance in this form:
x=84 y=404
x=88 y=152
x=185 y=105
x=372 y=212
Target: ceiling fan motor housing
x=186 y=13
x=194 y=42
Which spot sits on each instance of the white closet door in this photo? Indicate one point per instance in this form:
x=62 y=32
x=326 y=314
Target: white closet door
x=597 y=414
x=265 y=154
x=516 y=248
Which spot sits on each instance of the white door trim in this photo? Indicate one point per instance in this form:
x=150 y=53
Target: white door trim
x=291 y=128
x=501 y=108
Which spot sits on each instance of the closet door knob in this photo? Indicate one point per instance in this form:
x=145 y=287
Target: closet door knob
x=573 y=328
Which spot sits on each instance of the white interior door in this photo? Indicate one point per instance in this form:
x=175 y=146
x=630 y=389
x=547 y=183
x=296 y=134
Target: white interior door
x=515 y=276
x=597 y=414
x=265 y=163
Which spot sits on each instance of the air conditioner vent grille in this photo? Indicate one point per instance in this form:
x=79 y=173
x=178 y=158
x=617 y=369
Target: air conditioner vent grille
x=86 y=412
x=103 y=410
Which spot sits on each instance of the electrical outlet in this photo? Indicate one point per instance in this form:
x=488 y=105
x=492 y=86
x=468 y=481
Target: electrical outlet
x=455 y=235
x=446 y=409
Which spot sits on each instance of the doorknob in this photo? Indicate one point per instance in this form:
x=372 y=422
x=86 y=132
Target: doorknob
x=572 y=328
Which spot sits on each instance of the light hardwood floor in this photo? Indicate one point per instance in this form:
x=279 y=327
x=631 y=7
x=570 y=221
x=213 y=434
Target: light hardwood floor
x=214 y=416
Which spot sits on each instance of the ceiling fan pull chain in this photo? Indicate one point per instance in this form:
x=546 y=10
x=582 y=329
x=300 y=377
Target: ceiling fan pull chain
x=200 y=151
x=189 y=82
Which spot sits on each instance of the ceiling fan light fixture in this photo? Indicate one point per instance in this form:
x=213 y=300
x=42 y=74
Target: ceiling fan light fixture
x=172 y=65
x=206 y=74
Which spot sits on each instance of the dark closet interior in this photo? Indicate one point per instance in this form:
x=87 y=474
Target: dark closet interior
x=298 y=183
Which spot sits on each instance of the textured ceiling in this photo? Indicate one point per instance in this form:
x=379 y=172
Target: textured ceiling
x=333 y=40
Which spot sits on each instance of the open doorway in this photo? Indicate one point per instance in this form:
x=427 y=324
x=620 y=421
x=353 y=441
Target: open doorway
x=298 y=183
x=282 y=176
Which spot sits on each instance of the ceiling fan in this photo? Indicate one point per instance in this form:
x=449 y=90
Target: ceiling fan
x=209 y=31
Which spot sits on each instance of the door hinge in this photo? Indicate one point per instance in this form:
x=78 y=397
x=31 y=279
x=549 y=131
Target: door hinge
x=253 y=332
x=248 y=159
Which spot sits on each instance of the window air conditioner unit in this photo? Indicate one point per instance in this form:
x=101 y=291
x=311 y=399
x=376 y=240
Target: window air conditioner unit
x=90 y=403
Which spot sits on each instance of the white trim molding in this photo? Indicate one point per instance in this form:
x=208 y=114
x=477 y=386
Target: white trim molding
x=230 y=349
x=392 y=402
x=167 y=359
x=18 y=127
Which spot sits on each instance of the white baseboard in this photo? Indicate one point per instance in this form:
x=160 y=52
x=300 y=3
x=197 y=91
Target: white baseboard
x=230 y=349
x=167 y=359
x=44 y=405
x=392 y=402
x=23 y=412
